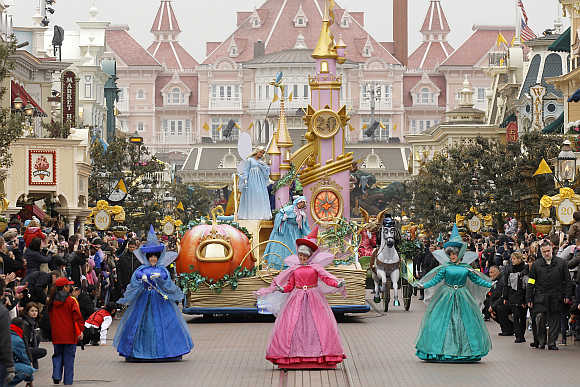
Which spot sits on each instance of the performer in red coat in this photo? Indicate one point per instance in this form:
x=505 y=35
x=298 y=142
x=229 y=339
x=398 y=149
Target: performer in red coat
x=66 y=324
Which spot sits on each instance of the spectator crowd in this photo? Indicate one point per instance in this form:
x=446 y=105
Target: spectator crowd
x=60 y=288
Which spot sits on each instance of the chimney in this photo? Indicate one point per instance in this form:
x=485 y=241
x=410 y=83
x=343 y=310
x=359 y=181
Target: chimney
x=401 y=30
x=259 y=49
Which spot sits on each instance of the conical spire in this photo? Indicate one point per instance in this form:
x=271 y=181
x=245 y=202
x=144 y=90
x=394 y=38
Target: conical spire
x=165 y=21
x=284 y=139
x=435 y=22
x=325 y=47
x=273 y=148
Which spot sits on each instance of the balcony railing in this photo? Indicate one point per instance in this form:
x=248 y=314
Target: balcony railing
x=498 y=59
x=225 y=103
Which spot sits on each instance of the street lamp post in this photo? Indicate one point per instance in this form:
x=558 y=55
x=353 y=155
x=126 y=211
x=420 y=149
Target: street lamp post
x=566 y=167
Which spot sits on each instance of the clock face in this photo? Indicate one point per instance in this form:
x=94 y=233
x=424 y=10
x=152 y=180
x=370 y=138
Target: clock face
x=325 y=123
x=326 y=205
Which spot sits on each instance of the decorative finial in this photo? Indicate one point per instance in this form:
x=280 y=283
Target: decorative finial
x=93 y=11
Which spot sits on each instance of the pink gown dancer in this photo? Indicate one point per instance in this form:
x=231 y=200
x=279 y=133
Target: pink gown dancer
x=305 y=334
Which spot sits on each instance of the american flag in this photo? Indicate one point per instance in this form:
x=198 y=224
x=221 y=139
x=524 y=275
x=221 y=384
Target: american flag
x=526 y=32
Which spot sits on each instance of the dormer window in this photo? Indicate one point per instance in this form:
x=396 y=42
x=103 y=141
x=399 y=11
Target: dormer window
x=300 y=20
x=426 y=97
x=175 y=96
x=345 y=21
x=233 y=50
x=368 y=48
x=255 y=20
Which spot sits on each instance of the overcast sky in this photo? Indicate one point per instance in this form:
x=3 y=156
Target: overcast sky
x=214 y=20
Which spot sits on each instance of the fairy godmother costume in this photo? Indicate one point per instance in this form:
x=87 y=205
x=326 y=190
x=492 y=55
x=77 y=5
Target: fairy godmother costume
x=453 y=329
x=254 y=178
x=290 y=224
x=153 y=328
x=305 y=334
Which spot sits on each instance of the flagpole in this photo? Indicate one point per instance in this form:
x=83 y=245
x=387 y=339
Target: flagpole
x=518 y=40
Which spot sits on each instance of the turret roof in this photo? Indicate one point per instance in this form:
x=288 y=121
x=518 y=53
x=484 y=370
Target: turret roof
x=435 y=20
x=165 y=19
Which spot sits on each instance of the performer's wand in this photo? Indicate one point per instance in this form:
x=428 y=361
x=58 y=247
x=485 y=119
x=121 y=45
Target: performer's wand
x=144 y=278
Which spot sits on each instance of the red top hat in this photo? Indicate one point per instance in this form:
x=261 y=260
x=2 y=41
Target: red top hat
x=310 y=240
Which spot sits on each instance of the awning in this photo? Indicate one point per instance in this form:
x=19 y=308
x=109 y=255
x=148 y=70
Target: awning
x=19 y=91
x=511 y=118
x=557 y=126
x=562 y=44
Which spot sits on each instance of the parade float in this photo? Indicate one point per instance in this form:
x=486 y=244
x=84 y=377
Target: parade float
x=221 y=258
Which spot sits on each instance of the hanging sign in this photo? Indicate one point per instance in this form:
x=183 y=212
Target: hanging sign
x=69 y=98
x=42 y=167
x=537 y=92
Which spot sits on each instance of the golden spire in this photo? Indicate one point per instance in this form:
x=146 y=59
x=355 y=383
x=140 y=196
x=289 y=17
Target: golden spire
x=325 y=47
x=284 y=139
x=273 y=148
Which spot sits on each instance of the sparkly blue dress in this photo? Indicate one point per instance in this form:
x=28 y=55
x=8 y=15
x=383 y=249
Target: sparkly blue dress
x=153 y=327
x=453 y=329
x=289 y=225
x=254 y=201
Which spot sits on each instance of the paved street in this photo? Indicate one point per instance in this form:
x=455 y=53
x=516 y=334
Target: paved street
x=230 y=352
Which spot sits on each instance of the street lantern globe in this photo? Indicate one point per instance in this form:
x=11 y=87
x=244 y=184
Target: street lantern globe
x=29 y=109
x=566 y=162
x=17 y=103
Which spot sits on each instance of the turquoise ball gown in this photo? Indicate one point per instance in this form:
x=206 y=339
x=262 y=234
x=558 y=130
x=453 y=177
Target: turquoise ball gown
x=453 y=329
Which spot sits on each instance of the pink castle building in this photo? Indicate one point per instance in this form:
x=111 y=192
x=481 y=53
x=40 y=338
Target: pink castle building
x=181 y=106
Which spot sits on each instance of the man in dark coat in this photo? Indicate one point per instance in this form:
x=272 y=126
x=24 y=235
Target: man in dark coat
x=547 y=292
x=495 y=305
x=424 y=264
x=514 y=293
x=127 y=264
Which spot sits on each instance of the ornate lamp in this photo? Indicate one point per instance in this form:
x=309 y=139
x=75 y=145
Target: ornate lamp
x=566 y=163
x=17 y=103
x=29 y=110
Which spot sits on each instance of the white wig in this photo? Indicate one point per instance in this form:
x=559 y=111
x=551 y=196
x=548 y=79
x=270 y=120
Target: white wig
x=303 y=249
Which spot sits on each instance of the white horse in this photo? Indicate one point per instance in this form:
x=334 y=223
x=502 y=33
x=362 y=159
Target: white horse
x=387 y=262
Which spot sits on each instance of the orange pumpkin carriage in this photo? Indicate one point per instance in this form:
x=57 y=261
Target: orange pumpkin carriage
x=219 y=269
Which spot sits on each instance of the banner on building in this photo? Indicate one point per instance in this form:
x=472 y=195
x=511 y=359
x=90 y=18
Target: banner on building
x=69 y=98
x=42 y=167
x=511 y=132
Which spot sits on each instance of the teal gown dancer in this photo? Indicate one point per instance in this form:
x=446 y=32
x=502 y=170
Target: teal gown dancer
x=453 y=329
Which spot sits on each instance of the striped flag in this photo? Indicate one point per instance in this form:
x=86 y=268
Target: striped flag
x=526 y=32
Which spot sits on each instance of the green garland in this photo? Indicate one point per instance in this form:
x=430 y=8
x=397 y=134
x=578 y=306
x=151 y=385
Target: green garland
x=342 y=237
x=191 y=282
x=287 y=180
x=236 y=225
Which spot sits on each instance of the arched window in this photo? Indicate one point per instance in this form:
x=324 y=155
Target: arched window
x=175 y=97
x=426 y=96
x=324 y=66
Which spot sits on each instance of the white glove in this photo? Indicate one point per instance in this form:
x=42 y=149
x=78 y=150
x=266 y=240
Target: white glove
x=144 y=277
x=155 y=275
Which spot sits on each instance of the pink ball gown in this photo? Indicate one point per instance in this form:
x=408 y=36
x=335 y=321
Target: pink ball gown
x=305 y=334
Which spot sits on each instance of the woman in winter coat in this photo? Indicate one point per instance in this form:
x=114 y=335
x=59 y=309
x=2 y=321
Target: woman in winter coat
x=34 y=257
x=32 y=332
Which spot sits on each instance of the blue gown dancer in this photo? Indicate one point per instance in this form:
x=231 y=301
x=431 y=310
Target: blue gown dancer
x=153 y=328
x=453 y=329
x=253 y=184
x=290 y=224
